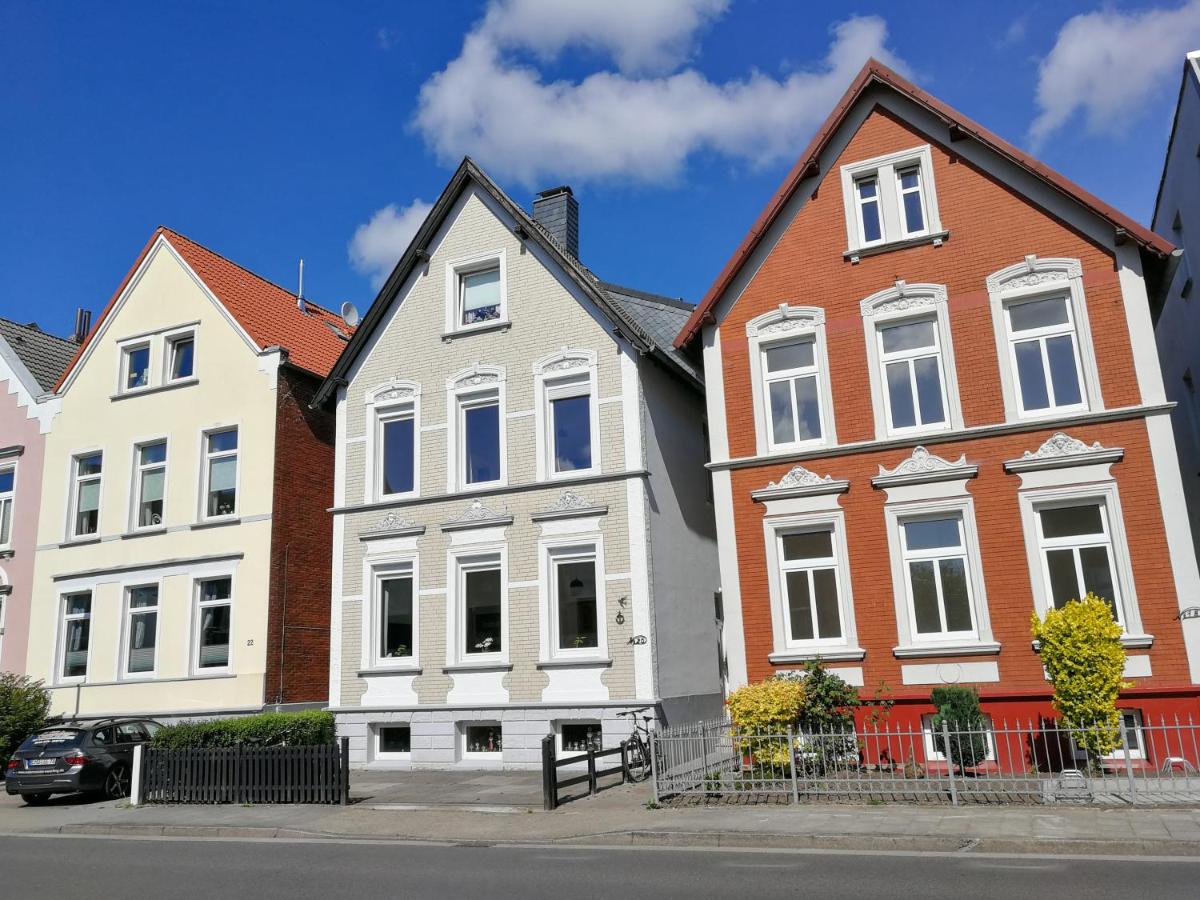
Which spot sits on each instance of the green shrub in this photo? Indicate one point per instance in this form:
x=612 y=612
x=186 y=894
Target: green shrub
x=958 y=708
x=296 y=729
x=23 y=707
x=765 y=710
x=827 y=720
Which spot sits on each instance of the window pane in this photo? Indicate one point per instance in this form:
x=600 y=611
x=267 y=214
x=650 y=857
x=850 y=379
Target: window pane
x=6 y=481
x=398 y=456
x=89 y=496
x=143 y=637
x=75 y=648
x=152 y=489
x=138 y=371
x=914 y=215
x=214 y=637
x=395 y=739
x=789 y=356
x=829 y=620
x=866 y=188
x=1097 y=575
x=808 y=408
x=143 y=597
x=1064 y=585
x=79 y=604
x=900 y=400
x=924 y=593
x=1038 y=314
x=5 y=528
x=396 y=608
x=89 y=465
x=153 y=453
x=909 y=336
x=955 y=595
x=581 y=736
x=808 y=545
x=222 y=441
x=572 y=433
x=870 y=221
x=577 y=606
x=481 y=296
x=482 y=611
x=782 y=428
x=483 y=443
x=799 y=606
x=222 y=486
x=181 y=358
x=929 y=390
x=928 y=534
x=484 y=739
x=1068 y=521
x=1060 y=352
x=1031 y=376
x=216 y=589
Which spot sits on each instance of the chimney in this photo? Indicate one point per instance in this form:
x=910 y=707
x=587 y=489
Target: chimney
x=557 y=211
x=83 y=324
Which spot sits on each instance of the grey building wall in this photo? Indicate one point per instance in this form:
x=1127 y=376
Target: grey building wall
x=683 y=540
x=1177 y=331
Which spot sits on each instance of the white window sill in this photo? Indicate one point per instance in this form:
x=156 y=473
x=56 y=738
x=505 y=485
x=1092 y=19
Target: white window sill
x=216 y=522
x=1128 y=641
x=487 y=665
x=384 y=669
x=466 y=330
x=933 y=237
x=1056 y=412
x=155 y=389
x=144 y=532
x=802 y=447
x=825 y=654
x=958 y=648
x=81 y=541
x=218 y=673
x=580 y=662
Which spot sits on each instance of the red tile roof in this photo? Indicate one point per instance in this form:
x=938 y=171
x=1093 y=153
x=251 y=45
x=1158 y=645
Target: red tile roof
x=875 y=72
x=267 y=312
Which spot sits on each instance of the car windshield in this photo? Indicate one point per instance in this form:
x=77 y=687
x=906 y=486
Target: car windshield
x=56 y=739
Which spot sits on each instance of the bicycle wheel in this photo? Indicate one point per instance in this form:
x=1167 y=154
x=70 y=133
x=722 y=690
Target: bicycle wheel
x=637 y=758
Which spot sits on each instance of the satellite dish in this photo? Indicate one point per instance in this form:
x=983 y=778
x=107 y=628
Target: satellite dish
x=350 y=314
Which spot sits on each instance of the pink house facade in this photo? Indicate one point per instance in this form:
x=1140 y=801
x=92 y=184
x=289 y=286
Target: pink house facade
x=30 y=363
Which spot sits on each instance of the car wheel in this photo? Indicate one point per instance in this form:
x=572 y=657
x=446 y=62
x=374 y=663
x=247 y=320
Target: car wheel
x=116 y=783
x=35 y=799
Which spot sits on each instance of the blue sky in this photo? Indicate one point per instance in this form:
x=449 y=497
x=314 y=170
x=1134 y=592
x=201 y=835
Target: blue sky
x=271 y=132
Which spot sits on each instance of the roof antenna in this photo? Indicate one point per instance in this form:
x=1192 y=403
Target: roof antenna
x=300 y=291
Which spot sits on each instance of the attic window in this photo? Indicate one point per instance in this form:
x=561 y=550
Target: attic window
x=476 y=293
x=890 y=200
x=136 y=367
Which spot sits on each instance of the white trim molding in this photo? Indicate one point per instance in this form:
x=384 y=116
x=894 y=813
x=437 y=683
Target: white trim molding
x=475 y=384
x=893 y=229
x=904 y=303
x=396 y=398
x=568 y=372
x=455 y=270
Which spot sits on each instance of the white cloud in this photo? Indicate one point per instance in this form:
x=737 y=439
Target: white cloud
x=377 y=245
x=1108 y=64
x=624 y=124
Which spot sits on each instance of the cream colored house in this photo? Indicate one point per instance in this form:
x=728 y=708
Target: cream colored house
x=523 y=538
x=158 y=574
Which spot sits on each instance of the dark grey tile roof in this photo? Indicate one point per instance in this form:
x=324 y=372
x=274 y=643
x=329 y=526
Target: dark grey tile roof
x=661 y=318
x=44 y=355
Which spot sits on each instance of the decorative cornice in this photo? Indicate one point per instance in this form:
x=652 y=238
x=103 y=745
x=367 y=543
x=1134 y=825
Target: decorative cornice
x=785 y=319
x=1062 y=450
x=569 y=505
x=565 y=360
x=903 y=297
x=800 y=482
x=476 y=515
x=1033 y=272
x=922 y=467
x=394 y=390
x=477 y=379
x=390 y=526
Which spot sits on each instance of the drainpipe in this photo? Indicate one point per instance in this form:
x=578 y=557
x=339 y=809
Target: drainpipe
x=283 y=625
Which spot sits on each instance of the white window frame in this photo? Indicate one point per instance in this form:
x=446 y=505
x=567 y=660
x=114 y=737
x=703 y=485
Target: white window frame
x=170 y=340
x=479 y=385
x=139 y=472
x=567 y=373
x=885 y=170
x=936 y=554
x=197 y=610
x=60 y=657
x=464 y=753
x=779 y=326
x=897 y=305
x=1041 y=279
x=126 y=630
x=77 y=481
x=455 y=270
x=919 y=190
x=1139 y=727
x=560 y=751
x=932 y=754
x=378 y=753
x=205 y=458
x=571 y=548
x=396 y=399
x=473 y=558
x=8 y=504
x=126 y=351
x=380 y=570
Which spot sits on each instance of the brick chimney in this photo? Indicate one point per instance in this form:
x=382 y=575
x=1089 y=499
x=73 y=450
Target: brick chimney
x=557 y=211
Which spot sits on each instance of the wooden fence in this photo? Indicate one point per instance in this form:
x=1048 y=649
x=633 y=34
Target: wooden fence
x=317 y=774
x=552 y=783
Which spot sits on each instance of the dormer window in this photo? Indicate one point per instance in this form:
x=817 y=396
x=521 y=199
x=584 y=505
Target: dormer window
x=890 y=200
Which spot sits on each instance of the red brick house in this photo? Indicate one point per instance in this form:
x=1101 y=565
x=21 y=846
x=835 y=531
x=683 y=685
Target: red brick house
x=934 y=407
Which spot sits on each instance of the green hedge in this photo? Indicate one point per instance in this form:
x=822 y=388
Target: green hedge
x=263 y=730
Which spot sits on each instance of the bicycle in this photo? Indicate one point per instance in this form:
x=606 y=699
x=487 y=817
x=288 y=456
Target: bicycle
x=637 y=745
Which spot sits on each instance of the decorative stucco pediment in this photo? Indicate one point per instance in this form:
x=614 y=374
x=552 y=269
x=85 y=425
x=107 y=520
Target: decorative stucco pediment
x=396 y=390
x=785 y=319
x=478 y=515
x=570 y=505
x=391 y=525
x=1033 y=272
x=1062 y=450
x=924 y=466
x=903 y=297
x=801 y=482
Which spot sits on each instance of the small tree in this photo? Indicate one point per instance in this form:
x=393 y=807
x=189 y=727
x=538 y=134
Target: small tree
x=24 y=704
x=1081 y=650
x=765 y=710
x=958 y=708
x=827 y=718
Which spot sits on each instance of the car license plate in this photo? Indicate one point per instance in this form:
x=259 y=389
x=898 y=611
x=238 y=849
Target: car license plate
x=37 y=763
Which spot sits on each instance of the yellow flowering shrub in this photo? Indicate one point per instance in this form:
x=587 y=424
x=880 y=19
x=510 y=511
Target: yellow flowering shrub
x=1081 y=650
x=768 y=707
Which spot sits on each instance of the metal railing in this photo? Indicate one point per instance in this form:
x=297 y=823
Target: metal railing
x=1040 y=761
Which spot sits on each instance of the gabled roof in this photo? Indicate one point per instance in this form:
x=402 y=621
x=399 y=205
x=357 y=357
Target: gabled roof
x=1191 y=75
x=660 y=317
x=44 y=355
x=269 y=314
x=876 y=73
x=636 y=322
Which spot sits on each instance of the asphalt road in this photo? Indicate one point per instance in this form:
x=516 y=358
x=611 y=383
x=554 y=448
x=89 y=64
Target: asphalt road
x=183 y=869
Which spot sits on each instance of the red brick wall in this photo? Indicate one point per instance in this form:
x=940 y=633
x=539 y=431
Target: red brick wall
x=990 y=227
x=301 y=545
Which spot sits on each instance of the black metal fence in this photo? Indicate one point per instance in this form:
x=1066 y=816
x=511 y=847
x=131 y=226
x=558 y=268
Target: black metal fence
x=316 y=774
x=551 y=764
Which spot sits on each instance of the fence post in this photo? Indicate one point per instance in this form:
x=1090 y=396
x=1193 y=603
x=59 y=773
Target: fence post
x=949 y=762
x=345 y=778
x=791 y=752
x=624 y=761
x=135 y=785
x=549 y=775
x=591 y=764
x=654 y=762
x=1128 y=763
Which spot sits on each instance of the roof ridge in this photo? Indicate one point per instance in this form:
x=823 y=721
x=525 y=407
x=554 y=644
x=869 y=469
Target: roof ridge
x=650 y=296
x=40 y=330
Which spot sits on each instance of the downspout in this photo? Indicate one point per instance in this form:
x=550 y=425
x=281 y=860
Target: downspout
x=283 y=625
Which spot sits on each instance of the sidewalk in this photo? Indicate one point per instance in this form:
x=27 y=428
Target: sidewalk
x=620 y=817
